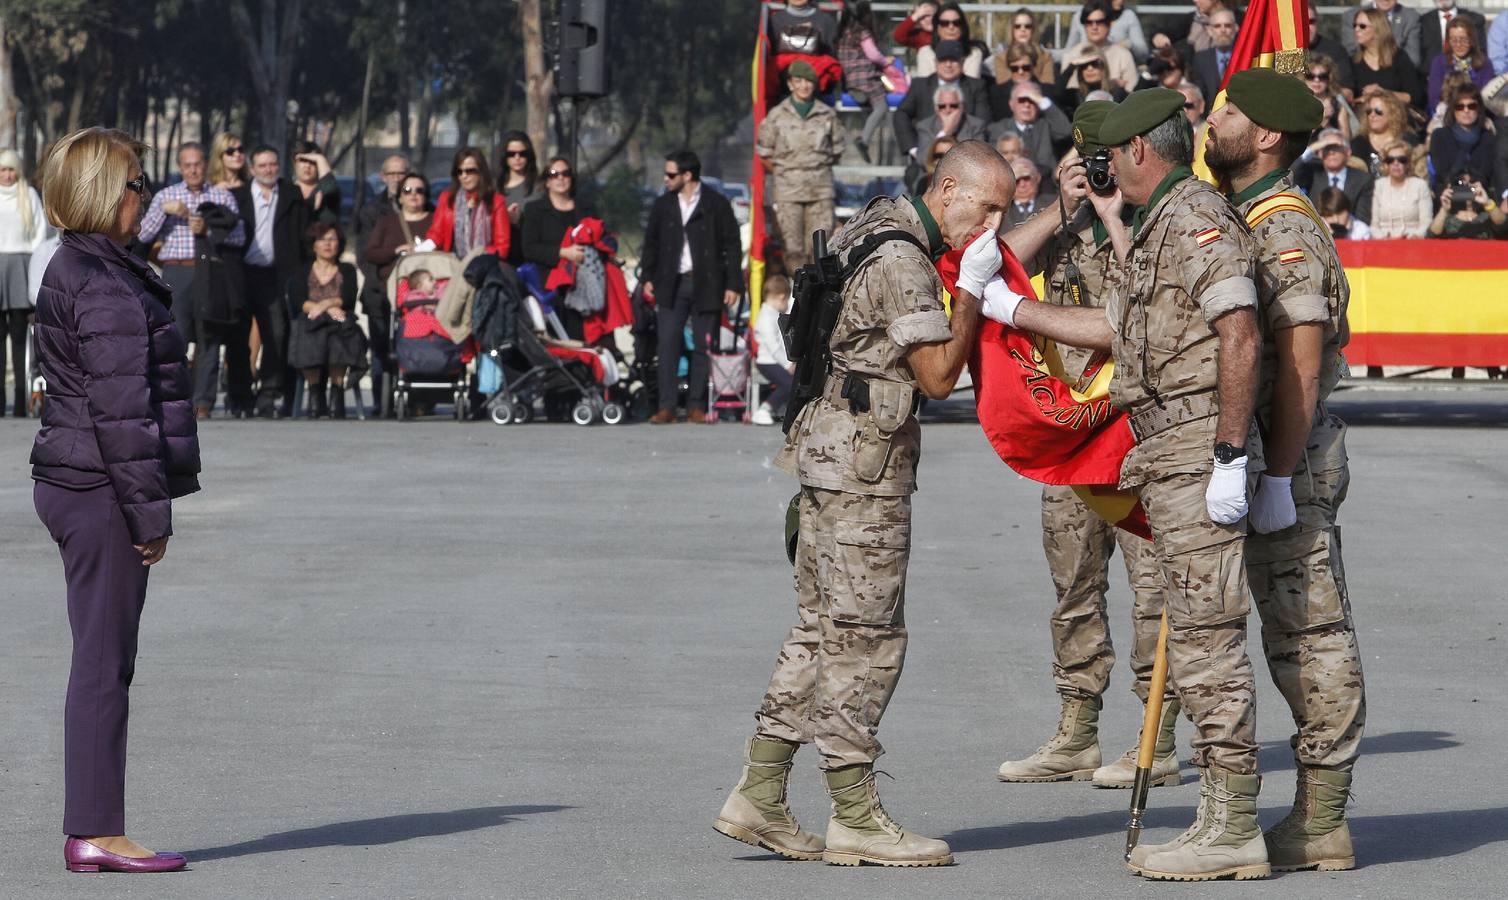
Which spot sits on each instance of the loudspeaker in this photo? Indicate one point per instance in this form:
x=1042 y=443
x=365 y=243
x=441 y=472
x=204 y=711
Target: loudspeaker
x=582 y=70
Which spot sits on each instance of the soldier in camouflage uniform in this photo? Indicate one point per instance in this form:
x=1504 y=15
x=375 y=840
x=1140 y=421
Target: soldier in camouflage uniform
x=799 y=142
x=856 y=461
x=1182 y=327
x=1293 y=553
x=1078 y=545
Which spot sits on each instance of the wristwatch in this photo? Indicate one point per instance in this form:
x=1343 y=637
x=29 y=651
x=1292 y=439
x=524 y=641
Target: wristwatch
x=1227 y=453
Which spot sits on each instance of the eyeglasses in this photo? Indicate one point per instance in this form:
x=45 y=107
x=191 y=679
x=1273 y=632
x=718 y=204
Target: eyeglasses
x=517 y=154
x=1377 y=111
x=1398 y=159
x=139 y=185
x=1468 y=105
x=1317 y=76
x=1100 y=21
x=950 y=23
x=668 y=175
x=949 y=105
x=1027 y=25
x=1188 y=104
x=1024 y=67
x=558 y=173
x=234 y=151
x=416 y=190
x=1360 y=26
x=469 y=171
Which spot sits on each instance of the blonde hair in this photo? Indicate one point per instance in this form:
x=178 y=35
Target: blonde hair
x=84 y=178
x=10 y=159
x=1386 y=45
x=217 y=169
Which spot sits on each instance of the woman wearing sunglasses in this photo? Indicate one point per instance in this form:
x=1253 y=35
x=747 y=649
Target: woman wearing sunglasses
x=1384 y=120
x=950 y=24
x=394 y=236
x=1401 y=202
x=545 y=222
x=1379 y=64
x=227 y=162
x=1323 y=79
x=1464 y=141
x=471 y=214
x=1023 y=43
x=118 y=444
x=1125 y=30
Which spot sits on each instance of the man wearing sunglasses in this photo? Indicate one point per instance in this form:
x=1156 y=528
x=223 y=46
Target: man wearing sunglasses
x=1044 y=130
x=1326 y=164
x=917 y=104
x=799 y=142
x=1293 y=545
x=948 y=119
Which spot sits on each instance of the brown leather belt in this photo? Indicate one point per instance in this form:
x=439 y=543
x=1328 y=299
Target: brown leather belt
x=176 y=262
x=1157 y=419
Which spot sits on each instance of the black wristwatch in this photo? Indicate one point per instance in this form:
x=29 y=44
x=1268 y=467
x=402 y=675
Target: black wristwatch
x=1227 y=453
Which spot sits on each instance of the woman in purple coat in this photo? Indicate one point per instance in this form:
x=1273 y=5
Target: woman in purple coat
x=117 y=444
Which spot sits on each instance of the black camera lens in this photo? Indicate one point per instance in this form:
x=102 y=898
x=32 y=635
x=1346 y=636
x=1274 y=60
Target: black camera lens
x=1097 y=168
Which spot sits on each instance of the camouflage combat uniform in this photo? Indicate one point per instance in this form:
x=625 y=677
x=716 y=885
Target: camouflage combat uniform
x=838 y=667
x=803 y=152
x=1191 y=262
x=1296 y=574
x=1078 y=543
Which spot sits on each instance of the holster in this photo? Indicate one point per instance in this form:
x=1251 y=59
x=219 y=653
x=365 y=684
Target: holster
x=890 y=405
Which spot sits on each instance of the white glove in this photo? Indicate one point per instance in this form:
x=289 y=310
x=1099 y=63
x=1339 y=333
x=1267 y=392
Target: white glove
x=1000 y=302
x=1225 y=498
x=1272 y=508
x=981 y=262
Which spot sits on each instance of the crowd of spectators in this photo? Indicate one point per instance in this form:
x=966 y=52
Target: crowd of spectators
x=1410 y=141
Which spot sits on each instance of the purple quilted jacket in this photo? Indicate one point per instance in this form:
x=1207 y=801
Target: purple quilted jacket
x=119 y=407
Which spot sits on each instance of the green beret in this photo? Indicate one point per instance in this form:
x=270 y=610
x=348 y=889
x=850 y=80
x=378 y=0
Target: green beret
x=1087 y=121
x=802 y=69
x=1276 y=101
x=1140 y=113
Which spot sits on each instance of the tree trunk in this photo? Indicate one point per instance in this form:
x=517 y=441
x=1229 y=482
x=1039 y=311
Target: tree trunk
x=269 y=46
x=425 y=117
x=170 y=153
x=9 y=106
x=538 y=84
x=361 y=132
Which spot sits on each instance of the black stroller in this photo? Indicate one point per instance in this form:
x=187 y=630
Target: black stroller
x=509 y=325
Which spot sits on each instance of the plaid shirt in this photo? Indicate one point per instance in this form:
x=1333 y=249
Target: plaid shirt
x=177 y=239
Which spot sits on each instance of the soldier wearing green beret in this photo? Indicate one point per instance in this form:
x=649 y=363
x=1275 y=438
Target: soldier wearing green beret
x=799 y=142
x=1293 y=548
x=1181 y=324
x=1077 y=268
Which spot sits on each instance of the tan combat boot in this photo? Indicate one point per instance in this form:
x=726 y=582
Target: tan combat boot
x=756 y=812
x=1315 y=835
x=1072 y=754
x=1225 y=841
x=860 y=830
x=1122 y=772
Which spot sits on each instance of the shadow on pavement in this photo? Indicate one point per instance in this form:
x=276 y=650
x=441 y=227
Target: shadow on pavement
x=1420 y=409
x=1277 y=756
x=1410 y=837
x=367 y=832
x=1068 y=828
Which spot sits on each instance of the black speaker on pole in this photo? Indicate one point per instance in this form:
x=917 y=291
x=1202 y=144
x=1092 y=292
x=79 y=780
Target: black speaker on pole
x=582 y=71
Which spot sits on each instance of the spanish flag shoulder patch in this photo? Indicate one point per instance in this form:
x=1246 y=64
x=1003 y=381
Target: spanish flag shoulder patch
x=1207 y=236
x=1291 y=256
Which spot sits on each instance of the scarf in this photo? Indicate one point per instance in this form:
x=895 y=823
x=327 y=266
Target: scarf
x=803 y=109
x=1466 y=137
x=473 y=226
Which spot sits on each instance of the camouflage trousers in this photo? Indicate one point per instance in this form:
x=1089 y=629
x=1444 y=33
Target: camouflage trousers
x=840 y=663
x=797 y=221
x=1078 y=545
x=1205 y=591
x=1299 y=583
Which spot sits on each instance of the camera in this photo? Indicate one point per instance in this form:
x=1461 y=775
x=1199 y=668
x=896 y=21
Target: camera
x=1461 y=194
x=1097 y=167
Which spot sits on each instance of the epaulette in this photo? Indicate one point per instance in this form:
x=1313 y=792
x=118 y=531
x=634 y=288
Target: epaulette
x=1284 y=201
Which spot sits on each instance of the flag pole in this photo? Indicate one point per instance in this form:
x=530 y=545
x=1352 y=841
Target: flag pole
x=1147 y=748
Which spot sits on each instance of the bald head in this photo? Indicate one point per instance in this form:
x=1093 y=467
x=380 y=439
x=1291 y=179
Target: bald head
x=972 y=186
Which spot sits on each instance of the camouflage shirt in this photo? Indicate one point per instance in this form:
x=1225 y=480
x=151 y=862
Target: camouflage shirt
x=802 y=151
x=1095 y=260
x=1300 y=282
x=1191 y=263
x=893 y=301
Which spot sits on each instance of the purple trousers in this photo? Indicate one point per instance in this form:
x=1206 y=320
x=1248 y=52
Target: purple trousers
x=107 y=586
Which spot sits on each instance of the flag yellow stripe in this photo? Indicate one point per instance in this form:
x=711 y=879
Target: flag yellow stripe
x=1419 y=301
x=1288 y=35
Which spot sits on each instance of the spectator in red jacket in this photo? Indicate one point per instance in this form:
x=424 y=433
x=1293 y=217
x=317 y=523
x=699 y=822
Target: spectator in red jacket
x=471 y=213
x=915 y=31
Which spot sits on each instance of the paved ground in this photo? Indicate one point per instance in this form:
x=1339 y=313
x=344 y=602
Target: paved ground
x=431 y=660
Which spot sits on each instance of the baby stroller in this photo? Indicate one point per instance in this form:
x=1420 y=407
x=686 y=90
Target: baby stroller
x=728 y=379
x=428 y=360
x=511 y=327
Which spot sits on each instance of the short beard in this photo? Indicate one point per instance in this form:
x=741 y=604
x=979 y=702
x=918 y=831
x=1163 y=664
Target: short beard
x=1232 y=158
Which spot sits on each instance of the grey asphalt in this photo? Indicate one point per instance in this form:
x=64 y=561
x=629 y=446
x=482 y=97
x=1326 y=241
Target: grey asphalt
x=432 y=660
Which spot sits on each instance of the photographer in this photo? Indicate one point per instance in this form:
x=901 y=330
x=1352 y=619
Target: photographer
x=1335 y=208
x=1466 y=211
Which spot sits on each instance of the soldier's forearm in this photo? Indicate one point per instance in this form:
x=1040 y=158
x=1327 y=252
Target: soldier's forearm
x=1295 y=394
x=1077 y=326
x=938 y=366
x=1236 y=378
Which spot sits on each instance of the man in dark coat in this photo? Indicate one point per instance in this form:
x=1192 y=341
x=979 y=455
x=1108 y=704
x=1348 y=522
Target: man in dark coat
x=918 y=102
x=276 y=220
x=1207 y=69
x=1312 y=176
x=692 y=266
x=374 y=292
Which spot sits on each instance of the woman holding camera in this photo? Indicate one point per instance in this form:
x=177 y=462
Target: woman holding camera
x=1463 y=142
x=118 y=444
x=1466 y=211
